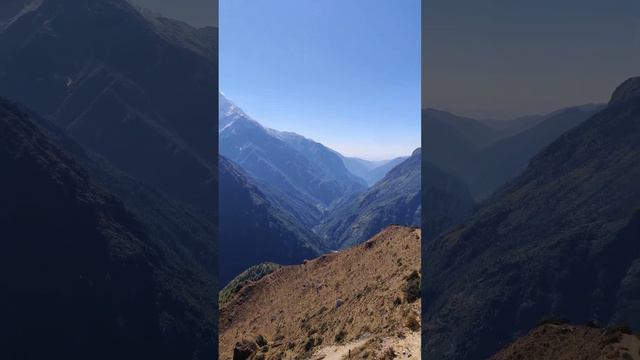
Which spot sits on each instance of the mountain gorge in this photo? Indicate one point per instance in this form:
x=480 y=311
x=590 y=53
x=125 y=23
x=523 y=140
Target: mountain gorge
x=395 y=199
x=371 y=171
x=321 y=205
x=486 y=154
x=560 y=240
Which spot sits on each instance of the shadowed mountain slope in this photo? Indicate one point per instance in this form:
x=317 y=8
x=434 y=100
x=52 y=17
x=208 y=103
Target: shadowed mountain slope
x=83 y=276
x=132 y=88
x=253 y=230
x=487 y=154
x=490 y=168
x=394 y=200
x=447 y=201
x=397 y=200
x=560 y=240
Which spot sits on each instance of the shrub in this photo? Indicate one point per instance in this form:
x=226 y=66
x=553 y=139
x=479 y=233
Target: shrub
x=389 y=354
x=309 y=344
x=340 y=336
x=261 y=341
x=412 y=290
x=412 y=323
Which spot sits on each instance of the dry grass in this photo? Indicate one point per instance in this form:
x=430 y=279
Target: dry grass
x=338 y=297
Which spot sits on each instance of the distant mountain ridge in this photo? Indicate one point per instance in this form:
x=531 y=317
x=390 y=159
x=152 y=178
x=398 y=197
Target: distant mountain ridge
x=486 y=154
x=371 y=171
x=330 y=161
x=286 y=164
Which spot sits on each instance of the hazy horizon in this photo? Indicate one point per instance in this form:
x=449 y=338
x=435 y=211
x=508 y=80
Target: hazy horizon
x=316 y=140
x=345 y=74
x=503 y=59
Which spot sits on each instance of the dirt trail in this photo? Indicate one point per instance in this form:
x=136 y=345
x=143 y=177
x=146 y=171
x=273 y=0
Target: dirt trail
x=338 y=352
x=407 y=348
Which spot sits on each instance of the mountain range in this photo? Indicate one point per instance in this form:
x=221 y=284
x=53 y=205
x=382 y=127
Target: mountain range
x=371 y=171
x=112 y=77
x=560 y=240
x=287 y=161
x=295 y=190
x=486 y=154
x=108 y=146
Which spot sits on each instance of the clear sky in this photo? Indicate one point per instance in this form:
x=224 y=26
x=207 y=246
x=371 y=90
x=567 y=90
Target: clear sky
x=344 y=73
x=195 y=12
x=503 y=58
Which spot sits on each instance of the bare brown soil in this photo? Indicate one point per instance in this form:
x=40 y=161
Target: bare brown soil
x=334 y=303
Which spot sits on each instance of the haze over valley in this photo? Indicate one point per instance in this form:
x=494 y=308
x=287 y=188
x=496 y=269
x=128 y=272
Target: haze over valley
x=308 y=186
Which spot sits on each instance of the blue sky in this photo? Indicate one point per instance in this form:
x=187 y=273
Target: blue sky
x=344 y=73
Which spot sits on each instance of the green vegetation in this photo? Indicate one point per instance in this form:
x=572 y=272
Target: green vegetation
x=254 y=273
